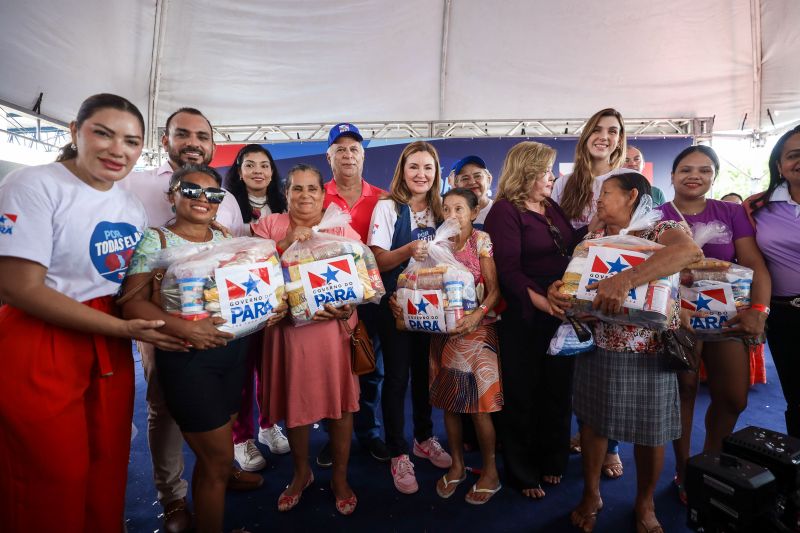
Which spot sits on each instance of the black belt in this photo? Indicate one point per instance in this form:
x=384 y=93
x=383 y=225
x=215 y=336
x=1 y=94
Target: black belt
x=789 y=301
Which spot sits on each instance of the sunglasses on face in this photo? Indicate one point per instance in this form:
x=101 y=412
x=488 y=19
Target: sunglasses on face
x=192 y=191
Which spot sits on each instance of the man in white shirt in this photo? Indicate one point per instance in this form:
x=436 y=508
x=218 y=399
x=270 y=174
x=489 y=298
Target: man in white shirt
x=188 y=139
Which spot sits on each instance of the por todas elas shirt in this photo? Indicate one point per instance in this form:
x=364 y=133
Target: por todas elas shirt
x=84 y=237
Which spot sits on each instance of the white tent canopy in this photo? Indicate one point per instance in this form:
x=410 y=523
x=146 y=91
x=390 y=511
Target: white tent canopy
x=317 y=61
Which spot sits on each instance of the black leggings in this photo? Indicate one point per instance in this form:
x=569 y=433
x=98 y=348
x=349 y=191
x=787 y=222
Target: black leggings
x=404 y=353
x=784 y=338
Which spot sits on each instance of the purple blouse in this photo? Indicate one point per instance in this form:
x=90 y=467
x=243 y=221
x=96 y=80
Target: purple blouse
x=525 y=252
x=732 y=215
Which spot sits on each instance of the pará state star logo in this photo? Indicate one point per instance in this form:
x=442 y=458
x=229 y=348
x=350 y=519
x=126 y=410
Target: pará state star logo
x=608 y=262
x=7 y=221
x=711 y=300
x=328 y=272
x=615 y=264
x=421 y=307
x=253 y=281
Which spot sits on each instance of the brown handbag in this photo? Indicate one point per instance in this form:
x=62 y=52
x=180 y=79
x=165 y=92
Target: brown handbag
x=679 y=350
x=156 y=276
x=362 y=353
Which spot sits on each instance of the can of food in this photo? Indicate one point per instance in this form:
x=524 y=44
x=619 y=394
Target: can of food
x=454 y=291
x=451 y=317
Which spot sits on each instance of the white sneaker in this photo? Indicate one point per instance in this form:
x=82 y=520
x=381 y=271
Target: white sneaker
x=248 y=456
x=274 y=439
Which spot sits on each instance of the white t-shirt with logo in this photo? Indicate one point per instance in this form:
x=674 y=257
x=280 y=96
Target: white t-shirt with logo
x=384 y=218
x=84 y=237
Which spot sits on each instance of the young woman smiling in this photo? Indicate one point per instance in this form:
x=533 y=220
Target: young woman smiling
x=68 y=232
x=600 y=149
x=254 y=181
x=727 y=360
x=402 y=225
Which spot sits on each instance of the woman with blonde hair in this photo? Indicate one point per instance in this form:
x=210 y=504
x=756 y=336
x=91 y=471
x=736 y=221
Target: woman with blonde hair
x=600 y=149
x=533 y=241
x=402 y=225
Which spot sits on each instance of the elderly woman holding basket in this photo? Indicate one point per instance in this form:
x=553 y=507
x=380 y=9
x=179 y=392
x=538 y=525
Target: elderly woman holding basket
x=625 y=389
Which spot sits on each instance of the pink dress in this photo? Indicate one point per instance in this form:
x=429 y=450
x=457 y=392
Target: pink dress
x=306 y=370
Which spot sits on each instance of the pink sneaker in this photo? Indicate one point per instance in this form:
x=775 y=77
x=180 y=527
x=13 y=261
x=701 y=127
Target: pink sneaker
x=433 y=451
x=403 y=474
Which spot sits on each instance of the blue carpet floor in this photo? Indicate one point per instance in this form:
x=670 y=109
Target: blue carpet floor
x=381 y=508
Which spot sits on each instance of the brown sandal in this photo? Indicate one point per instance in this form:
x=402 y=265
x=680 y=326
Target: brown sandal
x=613 y=469
x=585 y=521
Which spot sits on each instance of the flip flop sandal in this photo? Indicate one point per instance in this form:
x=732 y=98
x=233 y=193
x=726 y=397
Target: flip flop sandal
x=613 y=470
x=577 y=518
x=476 y=490
x=455 y=483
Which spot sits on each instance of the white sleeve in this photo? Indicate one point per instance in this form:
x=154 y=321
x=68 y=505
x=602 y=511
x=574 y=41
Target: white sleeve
x=382 y=225
x=26 y=219
x=230 y=216
x=558 y=188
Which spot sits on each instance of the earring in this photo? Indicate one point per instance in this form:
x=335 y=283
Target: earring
x=173 y=208
x=73 y=147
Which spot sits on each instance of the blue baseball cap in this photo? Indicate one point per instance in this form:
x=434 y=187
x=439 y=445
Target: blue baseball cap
x=474 y=159
x=343 y=128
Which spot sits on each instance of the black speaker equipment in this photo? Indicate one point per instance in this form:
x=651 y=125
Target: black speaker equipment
x=727 y=494
x=781 y=455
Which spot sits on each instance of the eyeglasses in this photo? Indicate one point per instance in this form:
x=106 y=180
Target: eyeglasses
x=555 y=233
x=463 y=179
x=193 y=191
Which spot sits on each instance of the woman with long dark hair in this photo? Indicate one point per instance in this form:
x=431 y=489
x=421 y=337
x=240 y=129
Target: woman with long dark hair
x=254 y=181
x=727 y=359
x=67 y=233
x=776 y=213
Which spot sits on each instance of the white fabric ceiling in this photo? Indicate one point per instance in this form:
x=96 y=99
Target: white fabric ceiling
x=253 y=62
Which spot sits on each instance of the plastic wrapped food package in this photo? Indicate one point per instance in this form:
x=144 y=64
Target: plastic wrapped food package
x=715 y=291
x=238 y=279
x=329 y=269
x=436 y=293
x=649 y=305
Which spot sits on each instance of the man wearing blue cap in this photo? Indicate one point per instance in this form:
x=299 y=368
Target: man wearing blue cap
x=350 y=191
x=471 y=173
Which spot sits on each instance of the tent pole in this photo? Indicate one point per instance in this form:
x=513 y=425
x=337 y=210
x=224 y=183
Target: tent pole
x=155 y=73
x=443 y=66
x=755 y=35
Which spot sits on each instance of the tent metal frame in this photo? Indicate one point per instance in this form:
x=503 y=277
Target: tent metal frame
x=701 y=128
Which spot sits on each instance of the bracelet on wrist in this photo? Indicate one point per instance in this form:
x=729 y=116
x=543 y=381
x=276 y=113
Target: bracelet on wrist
x=760 y=307
x=483 y=308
